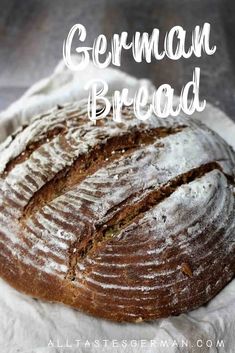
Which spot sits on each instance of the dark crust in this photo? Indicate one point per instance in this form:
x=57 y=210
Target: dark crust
x=49 y=288
x=98 y=239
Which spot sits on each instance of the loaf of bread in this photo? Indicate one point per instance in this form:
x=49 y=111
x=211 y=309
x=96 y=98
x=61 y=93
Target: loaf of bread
x=127 y=221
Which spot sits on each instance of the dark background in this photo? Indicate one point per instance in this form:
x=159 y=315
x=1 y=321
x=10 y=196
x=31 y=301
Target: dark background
x=32 y=34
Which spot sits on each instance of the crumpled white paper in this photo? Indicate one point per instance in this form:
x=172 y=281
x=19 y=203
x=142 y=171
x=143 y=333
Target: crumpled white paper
x=32 y=326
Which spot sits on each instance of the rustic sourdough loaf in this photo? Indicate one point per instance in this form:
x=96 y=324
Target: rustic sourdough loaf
x=127 y=221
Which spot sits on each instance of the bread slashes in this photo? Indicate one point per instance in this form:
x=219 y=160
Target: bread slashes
x=127 y=221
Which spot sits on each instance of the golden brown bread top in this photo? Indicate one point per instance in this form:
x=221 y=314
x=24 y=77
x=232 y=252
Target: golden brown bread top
x=126 y=221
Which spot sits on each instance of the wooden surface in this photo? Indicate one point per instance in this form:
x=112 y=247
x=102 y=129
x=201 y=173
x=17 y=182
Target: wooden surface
x=32 y=34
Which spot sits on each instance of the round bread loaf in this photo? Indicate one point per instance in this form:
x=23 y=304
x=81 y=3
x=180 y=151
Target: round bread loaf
x=127 y=221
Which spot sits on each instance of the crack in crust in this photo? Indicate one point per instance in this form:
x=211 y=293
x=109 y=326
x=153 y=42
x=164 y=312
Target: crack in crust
x=129 y=211
x=101 y=155
x=31 y=148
